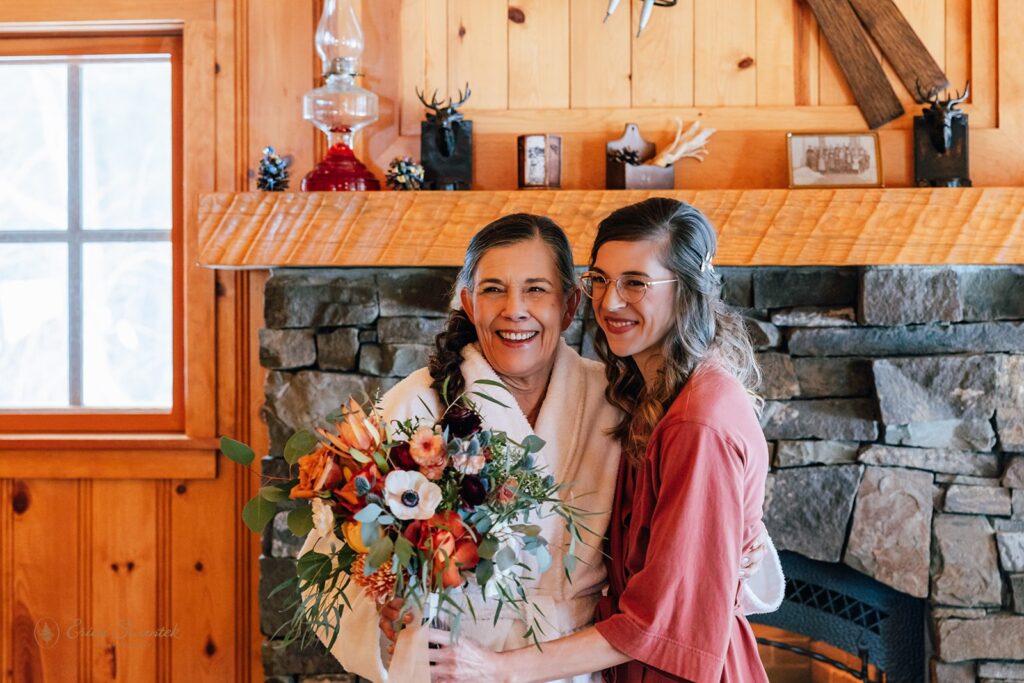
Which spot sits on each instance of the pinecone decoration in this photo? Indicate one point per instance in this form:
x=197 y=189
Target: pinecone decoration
x=404 y=174
x=273 y=175
x=625 y=156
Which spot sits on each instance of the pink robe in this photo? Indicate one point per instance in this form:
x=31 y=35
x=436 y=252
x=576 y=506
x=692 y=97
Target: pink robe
x=679 y=523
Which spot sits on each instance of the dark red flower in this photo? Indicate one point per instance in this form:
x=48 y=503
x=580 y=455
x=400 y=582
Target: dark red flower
x=461 y=422
x=472 y=490
x=401 y=458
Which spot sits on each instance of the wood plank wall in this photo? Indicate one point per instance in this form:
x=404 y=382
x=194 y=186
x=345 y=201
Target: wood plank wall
x=753 y=69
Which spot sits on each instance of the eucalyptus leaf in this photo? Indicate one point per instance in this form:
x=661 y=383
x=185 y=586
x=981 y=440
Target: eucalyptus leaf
x=505 y=559
x=483 y=525
x=274 y=494
x=300 y=521
x=237 y=451
x=370 y=532
x=488 y=547
x=403 y=551
x=533 y=443
x=299 y=444
x=484 y=572
x=543 y=558
x=380 y=552
x=528 y=529
x=370 y=513
x=258 y=512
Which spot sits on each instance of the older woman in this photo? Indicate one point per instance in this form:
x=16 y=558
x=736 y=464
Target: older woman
x=518 y=294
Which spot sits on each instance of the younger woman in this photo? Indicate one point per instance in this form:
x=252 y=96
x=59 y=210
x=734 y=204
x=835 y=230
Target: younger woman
x=691 y=483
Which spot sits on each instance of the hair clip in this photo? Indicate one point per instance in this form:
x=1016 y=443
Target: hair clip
x=706 y=263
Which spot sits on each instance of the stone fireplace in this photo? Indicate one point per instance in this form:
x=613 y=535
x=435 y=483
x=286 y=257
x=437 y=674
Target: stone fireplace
x=894 y=408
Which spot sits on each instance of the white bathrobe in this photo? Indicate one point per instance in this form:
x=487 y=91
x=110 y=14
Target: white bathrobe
x=573 y=421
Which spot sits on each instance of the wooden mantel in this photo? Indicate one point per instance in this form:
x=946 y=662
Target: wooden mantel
x=755 y=227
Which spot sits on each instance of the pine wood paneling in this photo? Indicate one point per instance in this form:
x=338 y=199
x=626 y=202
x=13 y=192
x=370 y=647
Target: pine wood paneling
x=808 y=57
x=599 y=55
x=435 y=66
x=725 y=45
x=777 y=30
x=992 y=32
x=124 y=573
x=280 y=79
x=201 y=570
x=478 y=51
x=538 y=54
x=958 y=40
x=48 y=546
x=663 y=59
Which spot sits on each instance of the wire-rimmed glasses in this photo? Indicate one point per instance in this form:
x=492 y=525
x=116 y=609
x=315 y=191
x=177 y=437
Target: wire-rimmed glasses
x=631 y=288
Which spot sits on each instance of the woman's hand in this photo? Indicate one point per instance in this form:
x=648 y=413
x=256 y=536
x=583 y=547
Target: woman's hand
x=463 y=660
x=392 y=620
x=753 y=555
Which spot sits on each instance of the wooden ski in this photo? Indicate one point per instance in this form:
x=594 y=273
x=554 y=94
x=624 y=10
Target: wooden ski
x=849 y=44
x=911 y=60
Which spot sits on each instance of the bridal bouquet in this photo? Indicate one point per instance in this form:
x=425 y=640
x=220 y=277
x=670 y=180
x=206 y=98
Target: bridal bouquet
x=414 y=510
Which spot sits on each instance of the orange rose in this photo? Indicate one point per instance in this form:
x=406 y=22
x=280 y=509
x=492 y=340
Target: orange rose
x=451 y=542
x=318 y=471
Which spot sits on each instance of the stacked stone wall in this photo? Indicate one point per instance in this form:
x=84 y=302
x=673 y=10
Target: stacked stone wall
x=894 y=407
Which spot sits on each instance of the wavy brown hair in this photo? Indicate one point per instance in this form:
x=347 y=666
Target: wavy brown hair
x=459 y=331
x=705 y=326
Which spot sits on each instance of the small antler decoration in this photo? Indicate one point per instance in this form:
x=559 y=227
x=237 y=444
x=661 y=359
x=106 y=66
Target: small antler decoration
x=444 y=115
x=939 y=116
x=691 y=143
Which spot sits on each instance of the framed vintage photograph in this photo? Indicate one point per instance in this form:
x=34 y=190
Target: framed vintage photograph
x=834 y=160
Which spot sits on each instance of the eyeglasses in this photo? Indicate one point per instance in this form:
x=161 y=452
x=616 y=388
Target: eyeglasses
x=631 y=288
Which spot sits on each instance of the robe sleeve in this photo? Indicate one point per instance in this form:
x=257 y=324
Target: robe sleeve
x=677 y=611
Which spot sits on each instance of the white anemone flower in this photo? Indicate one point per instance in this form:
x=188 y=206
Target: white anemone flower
x=410 y=495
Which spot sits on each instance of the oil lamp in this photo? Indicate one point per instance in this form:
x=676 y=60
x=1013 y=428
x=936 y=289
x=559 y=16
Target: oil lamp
x=339 y=107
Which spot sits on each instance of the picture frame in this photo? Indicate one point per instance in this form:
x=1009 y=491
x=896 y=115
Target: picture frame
x=849 y=159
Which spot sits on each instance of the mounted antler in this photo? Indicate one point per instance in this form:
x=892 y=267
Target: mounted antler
x=444 y=116
x=940 y=115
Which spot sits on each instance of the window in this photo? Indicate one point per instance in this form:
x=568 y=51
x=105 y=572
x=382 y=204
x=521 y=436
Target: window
x=90 y=234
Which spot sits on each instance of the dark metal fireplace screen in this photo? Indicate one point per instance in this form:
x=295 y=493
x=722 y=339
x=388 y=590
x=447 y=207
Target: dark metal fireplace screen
x=837 y=605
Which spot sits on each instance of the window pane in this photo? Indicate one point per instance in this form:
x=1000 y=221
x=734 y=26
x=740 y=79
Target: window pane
x=34 y=131
x=34 y=325
x=127 y=331
x=126 y=144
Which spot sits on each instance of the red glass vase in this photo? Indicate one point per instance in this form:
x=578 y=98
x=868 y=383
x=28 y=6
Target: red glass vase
x=340 y=170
